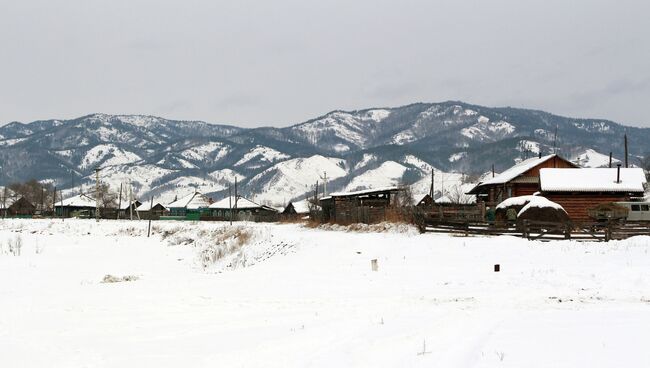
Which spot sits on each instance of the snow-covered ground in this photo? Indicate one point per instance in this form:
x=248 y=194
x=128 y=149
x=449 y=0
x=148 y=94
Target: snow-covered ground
x=288 y=296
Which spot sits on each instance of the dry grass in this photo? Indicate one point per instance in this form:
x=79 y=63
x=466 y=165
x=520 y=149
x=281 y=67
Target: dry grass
x=108 y=279
x=223 y=242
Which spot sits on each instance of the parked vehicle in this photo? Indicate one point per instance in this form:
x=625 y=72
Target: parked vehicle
x=637 y=211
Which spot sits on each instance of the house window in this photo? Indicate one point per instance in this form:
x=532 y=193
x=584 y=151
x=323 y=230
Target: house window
x=636 y=207
x=645 y=207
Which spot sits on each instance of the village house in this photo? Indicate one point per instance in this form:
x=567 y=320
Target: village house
x=521 y=179
x=21 y=208
x=241 y=209
x=579 y=190
x=191 y=206
x=367 y=206
x=79 y=205
x=145 y=211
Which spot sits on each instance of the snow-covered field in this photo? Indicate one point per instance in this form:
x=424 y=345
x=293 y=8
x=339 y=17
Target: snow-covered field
x=266 y=295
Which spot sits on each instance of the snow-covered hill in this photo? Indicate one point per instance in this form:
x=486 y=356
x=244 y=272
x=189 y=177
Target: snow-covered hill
x=370 y=147
x=591 y=158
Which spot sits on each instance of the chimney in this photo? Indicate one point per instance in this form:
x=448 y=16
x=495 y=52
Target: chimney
x=618 y=173
x=540 y=153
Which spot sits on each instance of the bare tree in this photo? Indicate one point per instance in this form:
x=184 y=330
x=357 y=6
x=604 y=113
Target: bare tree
x=456 y=195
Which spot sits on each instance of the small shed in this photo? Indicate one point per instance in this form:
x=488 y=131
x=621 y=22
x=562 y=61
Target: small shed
x=299 y=209
x=146 y=211
x=424 y=201
x=79 y=205
x=367 y=206
x=21 y=207
x=241 y=209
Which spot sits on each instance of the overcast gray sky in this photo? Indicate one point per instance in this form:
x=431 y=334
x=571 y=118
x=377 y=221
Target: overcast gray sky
x=261 y=62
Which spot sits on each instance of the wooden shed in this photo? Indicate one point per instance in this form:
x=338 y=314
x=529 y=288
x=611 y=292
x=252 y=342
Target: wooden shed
x=299 y=209
x=580 y=190
x=146 y=212
x=367 y=206
x=521 y=179
x=127 y=209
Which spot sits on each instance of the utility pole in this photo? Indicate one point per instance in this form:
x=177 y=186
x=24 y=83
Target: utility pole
x=150 y=216
x=324 y=178
x=236 y=195
x=42 y=200
x=625 y=139
x=119 y=205
x=431 y=189
x=610 y=159
x=62 y=214
x=54 y=203
x=97 y=194
x=130 y=201
x=230 y=202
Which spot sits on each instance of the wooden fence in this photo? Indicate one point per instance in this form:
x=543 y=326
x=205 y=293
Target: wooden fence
x=540 y=230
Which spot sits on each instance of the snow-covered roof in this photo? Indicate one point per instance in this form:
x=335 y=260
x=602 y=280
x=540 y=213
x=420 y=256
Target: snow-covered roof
x=241 y=203
x=513 y=172
x=147 y=206
x=362 y=192
x=540 y=202
x=191 y=201
x=592 y=180
x=80 y=200
x=301 y=207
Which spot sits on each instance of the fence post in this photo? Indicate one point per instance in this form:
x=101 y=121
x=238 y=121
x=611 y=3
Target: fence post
x=524 y=230
x=567 y=231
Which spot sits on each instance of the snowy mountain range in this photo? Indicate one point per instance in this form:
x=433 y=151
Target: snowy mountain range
x=355 y=149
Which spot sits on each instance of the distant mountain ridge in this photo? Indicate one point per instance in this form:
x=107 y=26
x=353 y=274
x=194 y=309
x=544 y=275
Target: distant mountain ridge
x=377 y=146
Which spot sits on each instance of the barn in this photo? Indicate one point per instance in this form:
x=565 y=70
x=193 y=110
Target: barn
x=367 y=206
x=521 y=179
x=240 y=209
x=579 y=190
